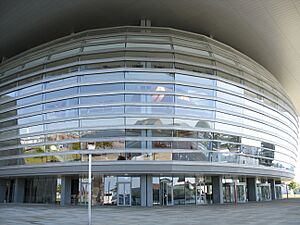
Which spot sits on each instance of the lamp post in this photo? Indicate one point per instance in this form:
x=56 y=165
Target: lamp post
x=90 y=190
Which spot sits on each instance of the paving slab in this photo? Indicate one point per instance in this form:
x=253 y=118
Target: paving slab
x=279 y=212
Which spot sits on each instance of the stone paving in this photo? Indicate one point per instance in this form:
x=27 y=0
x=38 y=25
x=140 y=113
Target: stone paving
x=285 y=212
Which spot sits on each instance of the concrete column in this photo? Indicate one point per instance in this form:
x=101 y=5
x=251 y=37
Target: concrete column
x=2 y=190
x=217 y=189
x=143 y=180
x=149 y=191
x=272 y=184
x=146 y=191
x=251 y=187
x=19 y=189
x=65 y=197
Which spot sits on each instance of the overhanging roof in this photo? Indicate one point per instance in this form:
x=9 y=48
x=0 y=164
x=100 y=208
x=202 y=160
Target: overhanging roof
x=266 y=30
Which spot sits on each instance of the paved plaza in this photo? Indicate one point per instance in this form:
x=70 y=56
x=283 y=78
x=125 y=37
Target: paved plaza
x=281 y=212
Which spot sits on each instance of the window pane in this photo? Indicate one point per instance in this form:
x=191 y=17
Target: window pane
x=62 y=125
x=149 y=110
x=103 y=47
x=191 y=50
x=149 y=121
x=149 y=76
x=147 y=45
x=102 y=88
x=31 y=89
x=62 y=103
x=61 y=114
x=61 y=93
x=31 y=119
x=62 y=82
x=102 y=77
x=31 y=109
x=194 y=80
x=32 y=129
x=102 y=110
x=194 y=90
x=149 y=87
x=101 y=99
x=194 y=112
x=28 y=100
x=102 y=122
x=186 y=100
x=155 y=98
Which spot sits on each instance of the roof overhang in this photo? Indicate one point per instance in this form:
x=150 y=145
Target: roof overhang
x=267 y=31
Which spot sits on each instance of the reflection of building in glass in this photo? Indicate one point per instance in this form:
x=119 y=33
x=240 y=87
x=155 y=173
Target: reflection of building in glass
x=170 y=117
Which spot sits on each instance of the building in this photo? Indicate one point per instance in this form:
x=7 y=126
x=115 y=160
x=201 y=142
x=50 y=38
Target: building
x=170 y=117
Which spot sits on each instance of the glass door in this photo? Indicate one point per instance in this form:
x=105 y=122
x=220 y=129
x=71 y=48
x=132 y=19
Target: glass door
x=166 y=191
x=83 y=191
x=124 y=194
x=278 y=191
x=241 y=192
x=200 y=193
x=228 y=192
x=263 y=192
x=266 y=192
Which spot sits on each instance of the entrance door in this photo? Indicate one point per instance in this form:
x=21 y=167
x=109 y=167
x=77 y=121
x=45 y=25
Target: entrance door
x=278 y=191
x=200 y=193
x=228 y=192
x=241 y=192
x=263 y=192
x=166 y=192
x=124 y=194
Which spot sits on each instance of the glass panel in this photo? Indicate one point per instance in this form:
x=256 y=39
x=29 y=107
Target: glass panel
x=193 y=123
x=103 y=122
x=102 y=88
x=102 y=133
x=102 y=110
x=62 y=114
x=102 y=77
x=194 y=112
x=149 y=76
x=61 y=104
x=149 y=110
x=103 y=47
x=155 y=98
x=147 y=45
x=65 y=53
x=194 y=90
x=149 y=121
x=32 y=129
x=194 y=80
x=62 y=82
x=28 y=100
x=186 y=100
x=31 y=109
x=31 y=89
x=63 y=136
x=149 y=87
x=190 y=50
x=31 y=119
x=62 y=125
x=61 y=93
x=92 y=100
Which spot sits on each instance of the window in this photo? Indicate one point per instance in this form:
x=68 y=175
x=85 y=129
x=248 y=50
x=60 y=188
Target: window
x=102 y=88
x=61 y=93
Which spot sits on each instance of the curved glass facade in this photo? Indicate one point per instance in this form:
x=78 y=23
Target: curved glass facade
x=143 y=94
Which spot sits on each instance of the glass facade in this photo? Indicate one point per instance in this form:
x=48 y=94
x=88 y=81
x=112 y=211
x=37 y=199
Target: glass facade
x=164 y=95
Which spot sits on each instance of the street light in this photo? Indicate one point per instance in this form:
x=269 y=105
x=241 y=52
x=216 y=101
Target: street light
x=90 y=190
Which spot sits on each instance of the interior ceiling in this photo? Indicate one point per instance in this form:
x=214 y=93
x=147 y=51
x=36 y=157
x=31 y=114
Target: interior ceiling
x=266 y=30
